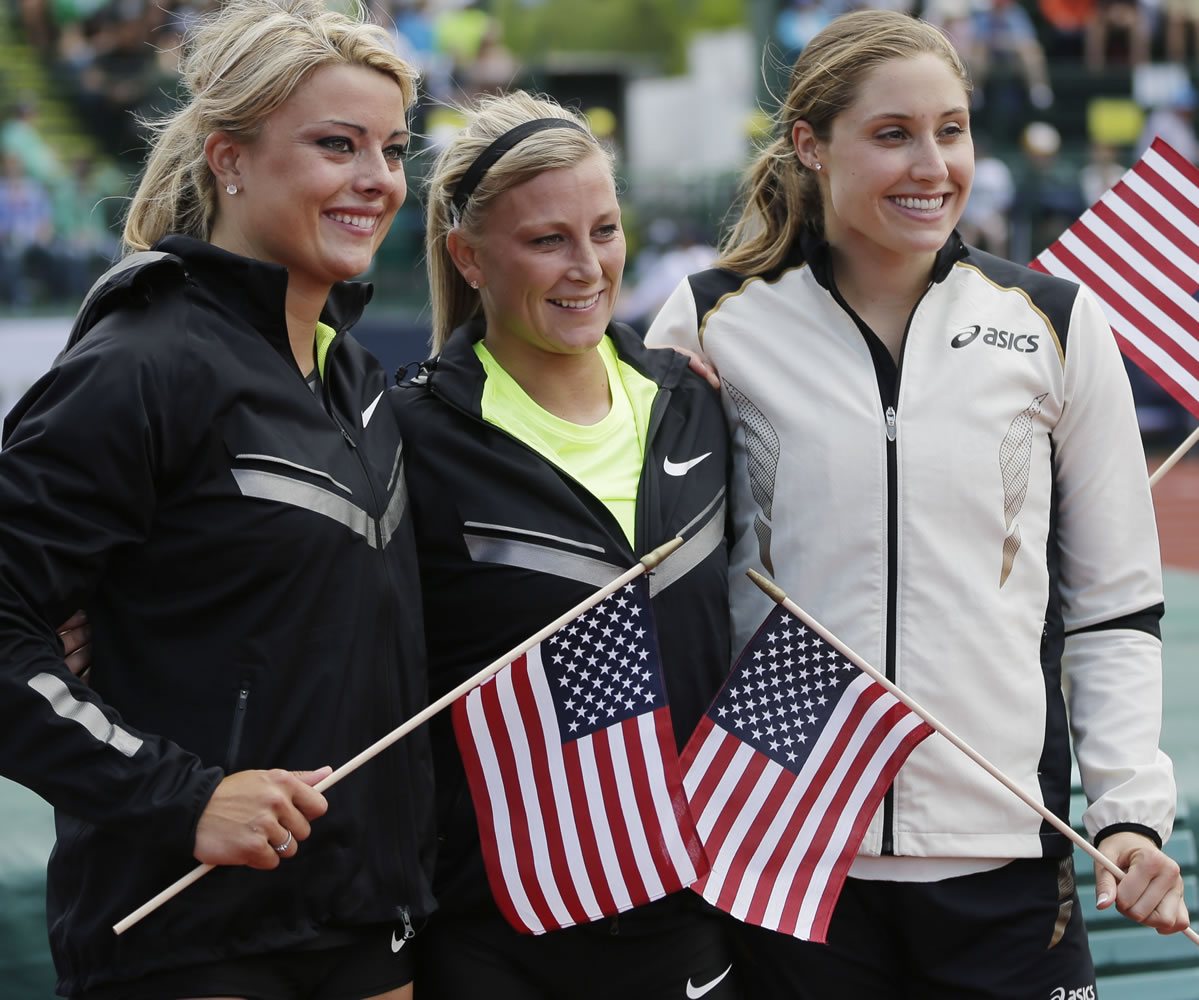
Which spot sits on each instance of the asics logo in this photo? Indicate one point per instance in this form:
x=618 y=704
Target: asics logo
x=694 y=992
x=682 y=468
x=397 y=943
x=1082 y=993
x=1023 y=343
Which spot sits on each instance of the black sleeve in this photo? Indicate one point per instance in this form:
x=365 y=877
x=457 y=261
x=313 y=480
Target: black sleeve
x=77 y=484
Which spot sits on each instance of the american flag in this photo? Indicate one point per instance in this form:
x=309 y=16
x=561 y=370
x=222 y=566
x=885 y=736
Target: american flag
x=575 y=777
x=784 y=773
x=1137 y=249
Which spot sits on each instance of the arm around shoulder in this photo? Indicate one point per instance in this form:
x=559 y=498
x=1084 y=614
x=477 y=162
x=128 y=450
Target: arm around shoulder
x=677 y=327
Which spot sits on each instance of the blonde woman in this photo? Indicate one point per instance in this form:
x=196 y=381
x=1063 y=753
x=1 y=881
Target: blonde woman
x=205 y=470
x=547 y=449
x=935 y=453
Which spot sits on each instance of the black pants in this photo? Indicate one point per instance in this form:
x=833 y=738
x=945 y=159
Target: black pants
x=1013 y=933
x=362 y=964
x=668 y=950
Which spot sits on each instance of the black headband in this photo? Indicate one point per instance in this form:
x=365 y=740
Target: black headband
x=483 y=162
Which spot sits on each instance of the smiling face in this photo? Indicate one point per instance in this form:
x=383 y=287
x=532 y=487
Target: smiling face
x=548 y=260
x=897 y=168
x=319 y=185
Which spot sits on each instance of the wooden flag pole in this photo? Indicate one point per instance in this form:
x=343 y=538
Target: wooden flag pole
x=647 y=563
x=1174 y=456
x=777 y=594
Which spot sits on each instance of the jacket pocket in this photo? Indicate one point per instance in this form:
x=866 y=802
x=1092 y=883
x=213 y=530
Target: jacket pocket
x=240 y=707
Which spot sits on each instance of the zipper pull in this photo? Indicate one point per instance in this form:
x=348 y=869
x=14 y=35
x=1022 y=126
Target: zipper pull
x=345 y=434
x=891 y=429
x=406 y=917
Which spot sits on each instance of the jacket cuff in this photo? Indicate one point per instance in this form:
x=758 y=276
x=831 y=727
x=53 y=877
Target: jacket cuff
x=175 y=825
x=1144 y=831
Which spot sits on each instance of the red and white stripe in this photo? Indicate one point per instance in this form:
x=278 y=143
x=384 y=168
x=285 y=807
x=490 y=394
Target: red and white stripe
x=1137 y=249
x=572 y=831
x=781 y=843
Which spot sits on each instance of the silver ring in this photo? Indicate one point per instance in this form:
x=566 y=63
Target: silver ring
x=282 y=848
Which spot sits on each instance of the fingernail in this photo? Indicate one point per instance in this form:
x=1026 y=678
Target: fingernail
x=1103 y=898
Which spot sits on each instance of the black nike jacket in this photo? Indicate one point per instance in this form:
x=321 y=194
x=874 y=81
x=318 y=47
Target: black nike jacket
x=244 y=550
x=508 y=542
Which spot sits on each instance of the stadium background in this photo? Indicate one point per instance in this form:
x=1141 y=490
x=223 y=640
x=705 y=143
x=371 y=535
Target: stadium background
x=1068 y=93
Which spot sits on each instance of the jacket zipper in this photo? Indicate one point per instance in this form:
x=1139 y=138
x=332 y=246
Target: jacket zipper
x=239 y=721
x=406 y=919
x=889 y=400
x=888 y=845
x=646 y=498
x=891 y=421
x=391 y=665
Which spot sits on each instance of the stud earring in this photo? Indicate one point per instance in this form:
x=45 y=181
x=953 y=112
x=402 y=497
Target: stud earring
x=230 y=189
x=474 y=285
x=815 y=166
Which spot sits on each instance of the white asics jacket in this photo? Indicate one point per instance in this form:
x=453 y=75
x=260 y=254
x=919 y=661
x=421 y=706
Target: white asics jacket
x=976 y=522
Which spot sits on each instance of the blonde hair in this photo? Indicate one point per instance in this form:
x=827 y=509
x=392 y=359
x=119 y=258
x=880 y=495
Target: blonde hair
x=239 y=66
x=488 y=118
x=779 y=196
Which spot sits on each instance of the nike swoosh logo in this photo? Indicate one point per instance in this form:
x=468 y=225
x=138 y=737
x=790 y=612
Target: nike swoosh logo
x=398 y=943
x=694 y=992
x=370 y=410
x=682 y=468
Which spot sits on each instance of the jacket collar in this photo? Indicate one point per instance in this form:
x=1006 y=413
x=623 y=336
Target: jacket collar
x=457 y=374
x=815 y=251
x=255 y=291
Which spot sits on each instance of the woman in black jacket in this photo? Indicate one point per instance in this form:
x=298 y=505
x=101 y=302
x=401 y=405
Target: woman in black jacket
x=204 y=469
x=547 y=449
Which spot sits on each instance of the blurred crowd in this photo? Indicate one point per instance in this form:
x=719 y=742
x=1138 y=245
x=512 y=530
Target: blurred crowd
x=120 y=56
x=57 y=218
x=115 y=63
x=1008 y=44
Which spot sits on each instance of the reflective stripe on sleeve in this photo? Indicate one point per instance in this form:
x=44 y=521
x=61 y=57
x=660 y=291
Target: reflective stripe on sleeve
x=88 y=715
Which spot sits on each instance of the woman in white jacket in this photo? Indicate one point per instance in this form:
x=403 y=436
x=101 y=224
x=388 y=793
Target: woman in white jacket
x=936 y=454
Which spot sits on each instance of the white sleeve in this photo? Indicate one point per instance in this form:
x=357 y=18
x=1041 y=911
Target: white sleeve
x=1111 y=587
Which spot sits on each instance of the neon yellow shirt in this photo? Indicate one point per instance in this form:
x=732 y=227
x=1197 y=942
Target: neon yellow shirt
x=324 y=337
x=605 y=457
